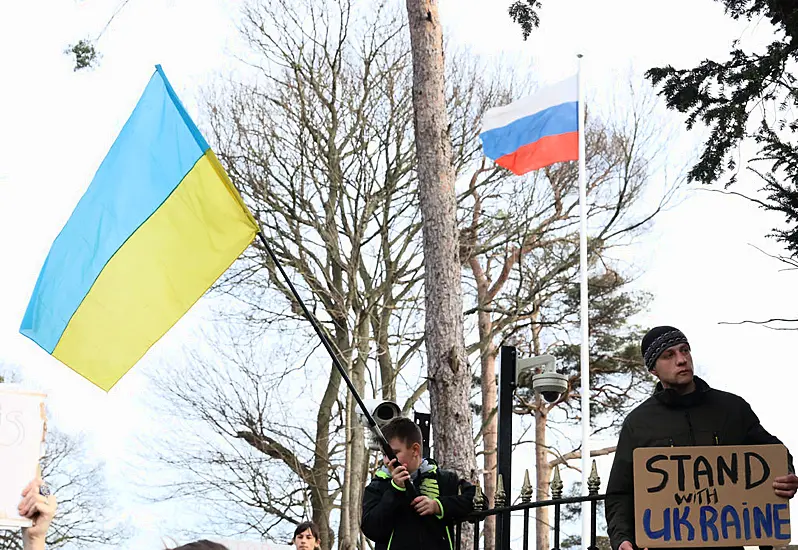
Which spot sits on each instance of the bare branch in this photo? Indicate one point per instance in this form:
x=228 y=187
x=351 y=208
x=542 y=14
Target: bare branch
x=575 y=455
x=764 y=323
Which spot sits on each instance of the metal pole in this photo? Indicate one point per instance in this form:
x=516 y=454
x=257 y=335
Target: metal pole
x=556 y=527
x=526 y=529
x=508 y=357
x=583 y=317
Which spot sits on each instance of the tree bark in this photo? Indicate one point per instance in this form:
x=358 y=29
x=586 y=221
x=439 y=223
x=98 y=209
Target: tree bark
x=352 y=490
x=542 y=466
x=487 y=359
x=489 y=436
x=449 y=375
x=319 y=489
x=542 y=476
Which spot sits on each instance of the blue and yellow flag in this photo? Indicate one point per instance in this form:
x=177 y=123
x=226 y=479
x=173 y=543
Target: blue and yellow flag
x=159 y=223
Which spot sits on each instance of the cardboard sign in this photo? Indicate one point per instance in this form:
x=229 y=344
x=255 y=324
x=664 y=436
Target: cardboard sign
x=22 y=422
x=710 y=496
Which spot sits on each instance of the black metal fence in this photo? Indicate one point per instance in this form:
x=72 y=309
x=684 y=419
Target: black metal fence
x=503 y=512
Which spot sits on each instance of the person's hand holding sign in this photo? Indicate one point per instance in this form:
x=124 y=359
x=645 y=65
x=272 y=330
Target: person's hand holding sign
x=785 y=486
x=39 y=505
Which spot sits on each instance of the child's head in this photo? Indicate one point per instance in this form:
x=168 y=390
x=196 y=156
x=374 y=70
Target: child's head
x=405 y=438
x=306 y=536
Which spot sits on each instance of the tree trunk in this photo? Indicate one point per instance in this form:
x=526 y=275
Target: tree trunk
x=447 y=366
x=489 y=433
x=449 y=375
x=542 y=467
x=354 y=481
x=487 y=359
x=319 y=490
x=384 y=359
x=356 y=456
x=542 y=476
x=320 y=498
x=344 y=543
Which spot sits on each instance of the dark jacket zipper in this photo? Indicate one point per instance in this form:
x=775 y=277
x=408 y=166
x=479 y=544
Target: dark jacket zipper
x=690 y=427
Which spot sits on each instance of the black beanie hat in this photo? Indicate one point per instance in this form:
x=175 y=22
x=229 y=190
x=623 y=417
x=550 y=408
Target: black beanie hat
x=657 y=340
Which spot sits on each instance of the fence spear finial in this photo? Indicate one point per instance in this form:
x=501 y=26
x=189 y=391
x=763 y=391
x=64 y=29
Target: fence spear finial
x=526 y=488
x=556 y=484
x=593 y=481
x=499 y=497
x=479 y=498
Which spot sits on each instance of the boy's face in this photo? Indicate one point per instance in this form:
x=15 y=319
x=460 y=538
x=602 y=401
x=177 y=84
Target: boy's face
x=408 y=455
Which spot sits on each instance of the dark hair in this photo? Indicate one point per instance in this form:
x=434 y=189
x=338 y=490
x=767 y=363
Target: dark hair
x=403 y=429
x=304 y=526
x=202 y=545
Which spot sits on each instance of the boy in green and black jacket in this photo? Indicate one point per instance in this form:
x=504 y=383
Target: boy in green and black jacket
x=391 y=519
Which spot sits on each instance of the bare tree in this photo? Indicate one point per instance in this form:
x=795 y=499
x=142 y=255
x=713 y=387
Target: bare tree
x=320 y=148
x=319 y=141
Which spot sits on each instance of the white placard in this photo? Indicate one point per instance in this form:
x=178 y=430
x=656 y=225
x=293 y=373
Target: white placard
x=22 y=422
x=252 y=545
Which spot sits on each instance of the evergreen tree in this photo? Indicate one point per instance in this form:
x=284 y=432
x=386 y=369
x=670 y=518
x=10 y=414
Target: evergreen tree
x=748 y=95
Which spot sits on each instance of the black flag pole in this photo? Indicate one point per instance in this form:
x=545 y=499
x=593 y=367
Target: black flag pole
x=375 y=429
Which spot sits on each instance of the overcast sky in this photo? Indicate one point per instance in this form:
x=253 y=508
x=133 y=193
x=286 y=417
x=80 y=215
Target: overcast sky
x=57 y=125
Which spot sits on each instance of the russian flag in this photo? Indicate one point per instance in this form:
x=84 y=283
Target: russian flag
x=535 y=131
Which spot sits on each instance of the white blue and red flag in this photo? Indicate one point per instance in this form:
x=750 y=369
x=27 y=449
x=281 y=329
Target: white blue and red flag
x=534 y=131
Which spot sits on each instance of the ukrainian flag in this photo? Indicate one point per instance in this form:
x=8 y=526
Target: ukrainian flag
x=159 y=223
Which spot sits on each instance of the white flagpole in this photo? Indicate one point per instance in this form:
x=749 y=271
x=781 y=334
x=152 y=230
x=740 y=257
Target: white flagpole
x=583 y=317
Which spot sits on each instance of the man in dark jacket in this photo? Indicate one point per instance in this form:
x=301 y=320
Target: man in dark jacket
x=394 y=521
x=684 y=411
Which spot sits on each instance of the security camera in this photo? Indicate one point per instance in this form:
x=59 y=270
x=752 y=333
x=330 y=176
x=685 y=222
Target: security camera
x=382 y=411
x=551 y=385
x=541 y=374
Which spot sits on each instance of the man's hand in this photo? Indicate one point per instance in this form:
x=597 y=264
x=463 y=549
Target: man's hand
x=785 y=486
x=41 y=510
x=399 y=472
x=425 y=506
